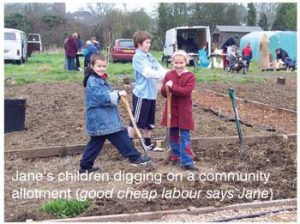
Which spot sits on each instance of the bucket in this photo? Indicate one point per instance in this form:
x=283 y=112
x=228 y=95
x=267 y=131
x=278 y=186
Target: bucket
x=14 y=115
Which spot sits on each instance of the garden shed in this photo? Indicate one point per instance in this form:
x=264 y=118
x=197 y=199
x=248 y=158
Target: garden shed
x=222 y=33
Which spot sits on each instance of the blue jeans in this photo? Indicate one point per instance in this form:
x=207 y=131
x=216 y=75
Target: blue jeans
x=71 y=63
x=180 y=142
x=119 y=139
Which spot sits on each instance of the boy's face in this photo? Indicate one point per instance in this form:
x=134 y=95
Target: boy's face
x=145 y=46
x=179 y=63
x=100 y=67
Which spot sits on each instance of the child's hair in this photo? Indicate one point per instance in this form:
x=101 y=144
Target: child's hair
x=181 y=53
x=95 y=57
x=139 y=37
x=87 y=71
x=75 y=35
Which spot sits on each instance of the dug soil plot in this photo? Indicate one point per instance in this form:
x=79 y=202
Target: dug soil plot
x=264 y=118
x=267 y=91
x=269 y=172
x=55 y=116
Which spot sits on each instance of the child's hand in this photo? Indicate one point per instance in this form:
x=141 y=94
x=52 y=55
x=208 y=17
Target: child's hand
x=122 y=93
x=169 y=83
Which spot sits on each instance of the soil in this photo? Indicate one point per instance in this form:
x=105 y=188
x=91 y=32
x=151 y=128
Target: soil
x=55 y=117
x=275 y=156
x=55 y=113
x=268 y=91
x=251 y=114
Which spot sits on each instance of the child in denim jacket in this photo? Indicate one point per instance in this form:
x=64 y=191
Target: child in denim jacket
x=103 y=119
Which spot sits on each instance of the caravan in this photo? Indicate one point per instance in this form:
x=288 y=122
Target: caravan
x=188 y=38
x=15 y=45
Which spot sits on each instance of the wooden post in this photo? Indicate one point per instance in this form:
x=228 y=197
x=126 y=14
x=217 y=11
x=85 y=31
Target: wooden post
x=281 y=80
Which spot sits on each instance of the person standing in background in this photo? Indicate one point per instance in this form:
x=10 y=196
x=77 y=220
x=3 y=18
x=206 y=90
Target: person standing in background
x=79 y=47
x=247 y=54
x=71 y=50
x=96 y=43
x=229 y=42
x=88 y=51
x=65 y=47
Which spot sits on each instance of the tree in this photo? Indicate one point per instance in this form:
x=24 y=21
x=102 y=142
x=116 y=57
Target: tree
x=17 y=21
x=263 y=21
x=286 y=17
x=232 y=15
x=164 y=19
x=251 y=16
x=180 y=14
x=269 y=10
x=211 y=14
x=52 y=20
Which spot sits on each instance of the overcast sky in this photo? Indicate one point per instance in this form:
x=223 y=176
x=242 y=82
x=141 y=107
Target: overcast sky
x=147 y=5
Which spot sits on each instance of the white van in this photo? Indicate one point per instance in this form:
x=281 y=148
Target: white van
x=15 y=45
x=188 y=38
x=34 y=43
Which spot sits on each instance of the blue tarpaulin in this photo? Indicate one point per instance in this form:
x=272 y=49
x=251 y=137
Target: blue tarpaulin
x=286 y=40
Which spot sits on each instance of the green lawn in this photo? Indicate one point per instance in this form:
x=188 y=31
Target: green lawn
x=49 y=67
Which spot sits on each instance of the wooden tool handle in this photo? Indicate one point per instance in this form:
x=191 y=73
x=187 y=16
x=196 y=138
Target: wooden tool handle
x=169 y=102
x=127 y=107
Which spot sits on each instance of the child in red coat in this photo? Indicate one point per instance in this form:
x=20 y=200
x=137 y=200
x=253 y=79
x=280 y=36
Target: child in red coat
x=181 y=83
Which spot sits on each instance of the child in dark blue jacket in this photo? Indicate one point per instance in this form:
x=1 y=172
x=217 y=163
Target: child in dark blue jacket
x=103 y=119
x=88 y=51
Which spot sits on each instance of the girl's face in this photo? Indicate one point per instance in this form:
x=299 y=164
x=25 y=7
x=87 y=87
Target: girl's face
x=145 y=46
x=179 y=63
x=100 y=67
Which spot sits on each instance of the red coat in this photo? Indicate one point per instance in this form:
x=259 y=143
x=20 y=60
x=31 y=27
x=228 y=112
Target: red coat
x=181 y=106
x=71 y=47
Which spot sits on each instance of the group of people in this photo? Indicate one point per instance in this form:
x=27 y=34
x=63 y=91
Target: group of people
x=103 y=119
x=283 y=60
x=230 y=50
x=73 y=46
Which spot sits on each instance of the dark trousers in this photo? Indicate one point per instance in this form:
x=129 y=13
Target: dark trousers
x=77 y=64
x=120 y=140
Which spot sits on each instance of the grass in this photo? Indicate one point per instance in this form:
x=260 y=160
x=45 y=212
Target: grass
x=62 y=208
x=41 y=68
x=49 y=67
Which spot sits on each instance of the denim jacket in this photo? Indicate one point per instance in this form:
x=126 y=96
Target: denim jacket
x=102 y=116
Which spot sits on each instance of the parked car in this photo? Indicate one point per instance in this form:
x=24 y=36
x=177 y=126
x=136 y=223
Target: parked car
x=123 y=50
x=15 y=45
x=188 y=38
x=34 y=43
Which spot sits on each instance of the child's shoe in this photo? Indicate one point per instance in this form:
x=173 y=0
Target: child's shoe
x=142 y=160
x=154 y=148
x=93 y=169
x=190 y=167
